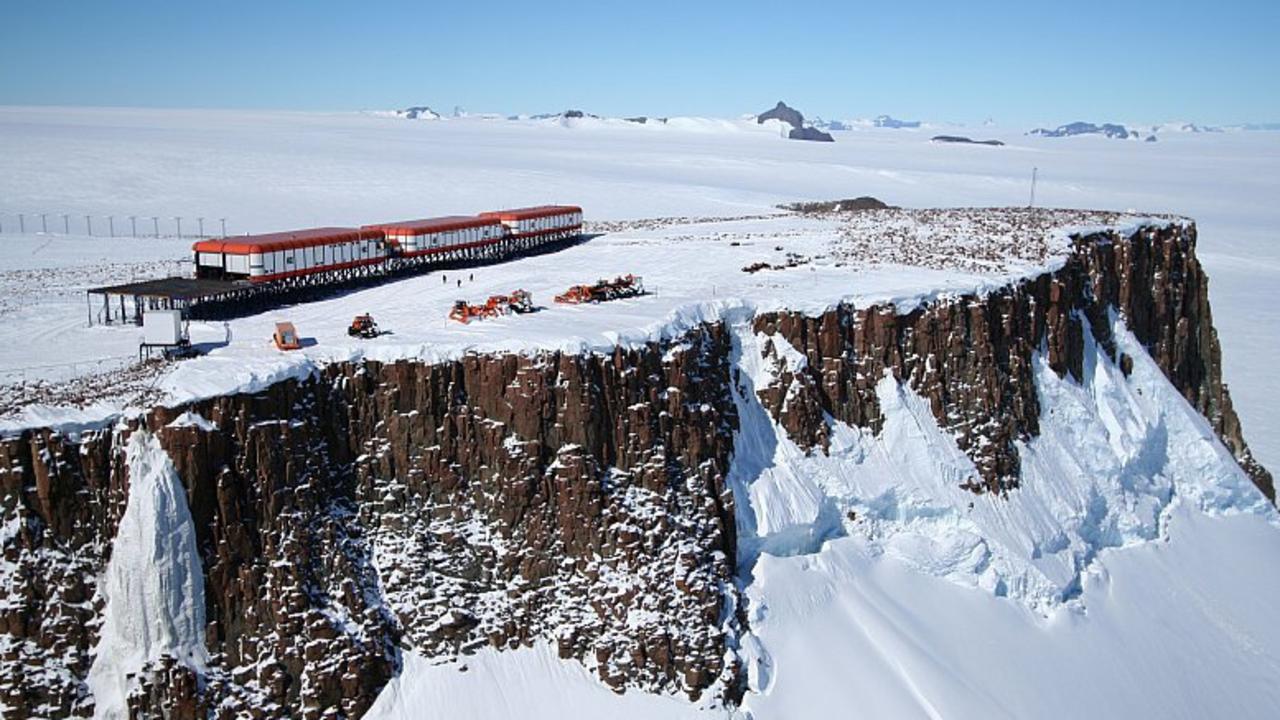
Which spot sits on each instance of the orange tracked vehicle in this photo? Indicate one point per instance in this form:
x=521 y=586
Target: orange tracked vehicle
x=363 y=326
x=519 y=301
x=624 y=286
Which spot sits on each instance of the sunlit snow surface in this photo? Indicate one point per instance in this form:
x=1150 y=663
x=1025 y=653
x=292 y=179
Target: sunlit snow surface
x=1132 y=575
x=276 y=171
x=1101 y=598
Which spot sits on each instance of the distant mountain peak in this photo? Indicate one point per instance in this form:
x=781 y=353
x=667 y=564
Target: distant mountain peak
x=783 y=112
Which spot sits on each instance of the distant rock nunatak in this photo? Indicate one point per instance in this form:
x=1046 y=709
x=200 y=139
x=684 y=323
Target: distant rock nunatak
x=795 y=119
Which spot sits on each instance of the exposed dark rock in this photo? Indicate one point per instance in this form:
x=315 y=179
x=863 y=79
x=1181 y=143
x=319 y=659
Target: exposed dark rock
x=598 y=481
x=1083 y=128
x=810 y=133
x=971 y=357
x=791 y=116
x=567 y=114
x=963 y=140
x=825 y=206
x=782 y=112
x=502 y=499
x=418 y=111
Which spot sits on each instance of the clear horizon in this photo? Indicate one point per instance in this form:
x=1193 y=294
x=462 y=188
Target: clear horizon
x=1016 y=64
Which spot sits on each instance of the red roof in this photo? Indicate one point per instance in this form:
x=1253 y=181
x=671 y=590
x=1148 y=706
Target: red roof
x=433 y=225
x=530 y=213
x=291 y=239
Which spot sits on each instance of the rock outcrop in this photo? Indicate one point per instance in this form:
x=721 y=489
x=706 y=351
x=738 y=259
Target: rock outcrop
x=499 y=500
x=783 y=112
x=810 y=133
x=418 y=112
x=962 y=140
x=793 y=117
x=1110 y=130
x=971 y=356
x=864 y=202
x=504 y=500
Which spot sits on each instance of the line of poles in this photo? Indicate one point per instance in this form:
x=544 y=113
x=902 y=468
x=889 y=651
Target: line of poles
x=27 y=222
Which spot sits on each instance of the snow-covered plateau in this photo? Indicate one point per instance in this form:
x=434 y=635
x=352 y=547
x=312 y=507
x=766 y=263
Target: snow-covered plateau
x=968 y=462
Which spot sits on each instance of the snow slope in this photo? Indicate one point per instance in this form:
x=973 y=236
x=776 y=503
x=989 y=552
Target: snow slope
x=1179 y=628
x=530 y=683
x=844 y=552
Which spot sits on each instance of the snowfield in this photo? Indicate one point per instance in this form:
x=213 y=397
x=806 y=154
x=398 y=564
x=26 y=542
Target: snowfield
x=268 y=171
x=1132 y=574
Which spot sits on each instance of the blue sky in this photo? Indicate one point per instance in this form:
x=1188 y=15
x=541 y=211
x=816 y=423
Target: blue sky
x=1019 y=62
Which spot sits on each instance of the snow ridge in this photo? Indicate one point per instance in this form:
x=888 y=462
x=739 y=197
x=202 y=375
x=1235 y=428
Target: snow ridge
x=153 y=584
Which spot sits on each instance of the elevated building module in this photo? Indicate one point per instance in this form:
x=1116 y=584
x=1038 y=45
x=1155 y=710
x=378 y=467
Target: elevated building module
x=293 y=254
x=548 y=222
x=429 y=236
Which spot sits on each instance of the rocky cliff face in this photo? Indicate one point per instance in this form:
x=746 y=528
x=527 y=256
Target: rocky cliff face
x=971 y=356
x=504 y=500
